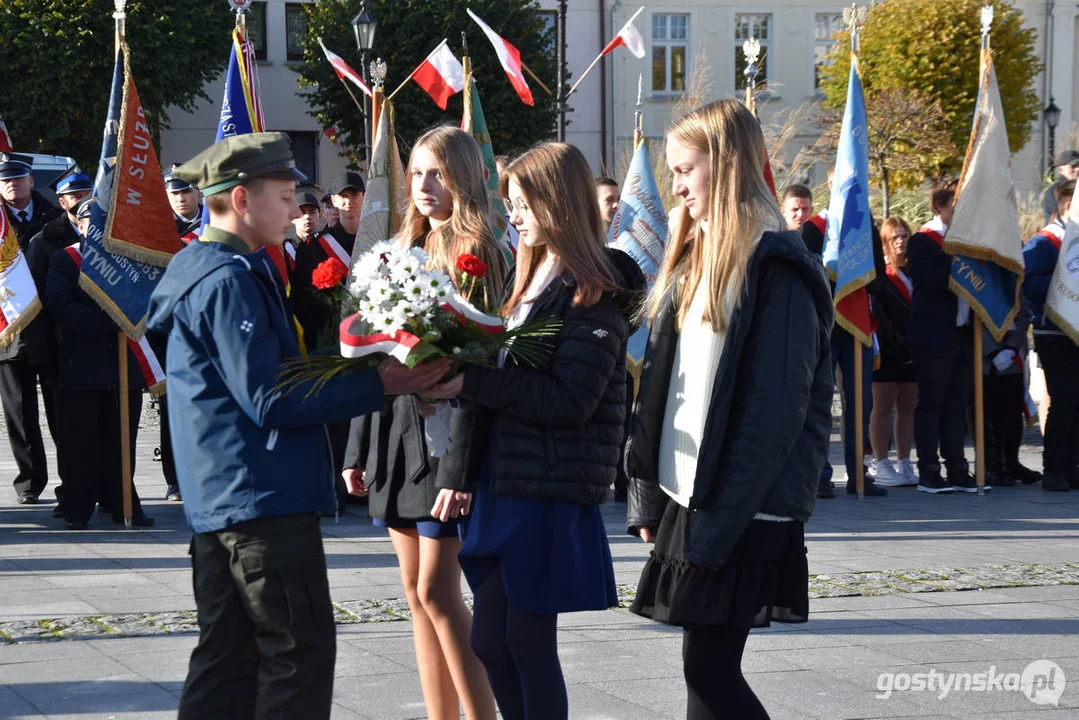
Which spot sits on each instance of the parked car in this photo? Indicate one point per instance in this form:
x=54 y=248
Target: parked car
x=45 y=170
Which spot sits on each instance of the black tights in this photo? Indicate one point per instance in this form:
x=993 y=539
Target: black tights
x=519 y=649
x=712 y=663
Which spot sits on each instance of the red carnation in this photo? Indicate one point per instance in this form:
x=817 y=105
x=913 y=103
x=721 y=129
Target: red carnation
x=329 y=274
x=471 y=265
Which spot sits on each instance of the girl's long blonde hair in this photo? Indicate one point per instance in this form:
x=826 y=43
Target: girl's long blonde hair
x=468 y=231
x=557 y=184
x=740 y=208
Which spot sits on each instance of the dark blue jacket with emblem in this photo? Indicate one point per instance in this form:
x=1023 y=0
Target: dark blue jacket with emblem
x=244 y=448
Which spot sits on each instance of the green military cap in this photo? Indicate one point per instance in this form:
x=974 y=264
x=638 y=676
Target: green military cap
x=238 y=159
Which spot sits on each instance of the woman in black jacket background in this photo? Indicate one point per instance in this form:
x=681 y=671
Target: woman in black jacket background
x=733 y=417
x=535 y=545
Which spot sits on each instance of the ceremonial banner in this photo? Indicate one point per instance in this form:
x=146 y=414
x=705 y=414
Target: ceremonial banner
x=241 y=108
x=639 y=228
x=120 y=285
x=987 y=269
x=474 y=122
x=1062 y=302
x=848 y=246
x=140 y=222
x=5 y=139
x=386 y=194
x=19 y=303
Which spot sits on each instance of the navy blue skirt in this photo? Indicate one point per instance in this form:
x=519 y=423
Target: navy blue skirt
x=553 y=556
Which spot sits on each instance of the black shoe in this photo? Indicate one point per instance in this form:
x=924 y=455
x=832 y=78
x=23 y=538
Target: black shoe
x=57 y=512
x=998 y=478
x=825 y=492
x=931 y=482
x=1055 y=483
x=870 y=489
x=27 y=498
x=964 y=482
x=77 y=525
x=1024 y=474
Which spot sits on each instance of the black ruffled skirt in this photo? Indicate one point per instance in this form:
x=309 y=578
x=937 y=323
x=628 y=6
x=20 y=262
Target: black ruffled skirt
x=765 y=578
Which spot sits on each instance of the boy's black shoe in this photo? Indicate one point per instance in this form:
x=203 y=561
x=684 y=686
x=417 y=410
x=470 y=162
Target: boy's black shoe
x=931 y=482
x=1055 y=483
x=871 y=489
x=1024 y=474
x=965 y=482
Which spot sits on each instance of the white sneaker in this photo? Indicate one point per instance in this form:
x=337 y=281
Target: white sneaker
x=906 y=471
x=884 y=474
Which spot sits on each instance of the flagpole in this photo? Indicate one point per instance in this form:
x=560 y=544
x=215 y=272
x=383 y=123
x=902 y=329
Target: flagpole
x=535 y=77
x=638 y=114
x=121 y=340
x=377 y=73
x=979 y=384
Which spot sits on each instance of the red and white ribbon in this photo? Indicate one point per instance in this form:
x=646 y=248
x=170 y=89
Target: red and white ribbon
x=397 y=344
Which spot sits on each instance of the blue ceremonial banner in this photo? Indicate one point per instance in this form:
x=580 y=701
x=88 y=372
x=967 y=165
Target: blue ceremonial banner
x=987 y=269
x=119 y=285
x=639 y=228
x=241 y=108
x=848 y=247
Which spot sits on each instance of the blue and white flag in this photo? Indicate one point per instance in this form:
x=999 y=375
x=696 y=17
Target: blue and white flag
x=848 y=246
x=987 y=269
x=118 y=284
x=639 y=228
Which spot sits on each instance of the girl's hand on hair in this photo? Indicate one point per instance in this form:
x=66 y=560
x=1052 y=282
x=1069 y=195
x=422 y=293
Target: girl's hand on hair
x=451 y=504
x=647 y=534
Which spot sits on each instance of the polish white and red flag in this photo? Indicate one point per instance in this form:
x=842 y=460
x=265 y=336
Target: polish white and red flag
x=441 y=75
x=628 y=37
x=343 y=69
x=5 y=139
x=510 y=57
x=19 y=302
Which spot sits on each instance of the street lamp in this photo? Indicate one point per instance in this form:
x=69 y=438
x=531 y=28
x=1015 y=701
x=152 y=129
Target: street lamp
x=1052 y=119
x=363 y=27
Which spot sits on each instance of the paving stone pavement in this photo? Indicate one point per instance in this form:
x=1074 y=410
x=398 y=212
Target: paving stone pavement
x=99 y=624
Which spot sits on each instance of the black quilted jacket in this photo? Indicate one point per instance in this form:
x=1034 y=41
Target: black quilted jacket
x=557 y=431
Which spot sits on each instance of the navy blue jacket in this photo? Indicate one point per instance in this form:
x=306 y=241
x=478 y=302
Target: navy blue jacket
x=86 y=337
x=244 y=448
x=1040 y=256
x=933 y=306
x=770 y=416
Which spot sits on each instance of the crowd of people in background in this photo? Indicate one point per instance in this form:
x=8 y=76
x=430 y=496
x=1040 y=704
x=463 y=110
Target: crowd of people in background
x=720 y=455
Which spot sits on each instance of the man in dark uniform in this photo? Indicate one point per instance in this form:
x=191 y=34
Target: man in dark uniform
x=71 y=187
x=186 y=202
x=28 y=211
x=253 y=461
x=90 y=392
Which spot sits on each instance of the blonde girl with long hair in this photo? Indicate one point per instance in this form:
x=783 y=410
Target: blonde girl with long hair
x=733 y=416
x=418 y=496
x=535 y=545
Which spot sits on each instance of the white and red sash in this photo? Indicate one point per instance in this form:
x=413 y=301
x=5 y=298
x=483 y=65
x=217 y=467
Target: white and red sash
x=332 y=248
x=935 y=230
x=150 y=367
x=900 y=282
x=1055 y=232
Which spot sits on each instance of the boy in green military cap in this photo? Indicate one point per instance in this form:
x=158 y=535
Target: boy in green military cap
x=253 y=462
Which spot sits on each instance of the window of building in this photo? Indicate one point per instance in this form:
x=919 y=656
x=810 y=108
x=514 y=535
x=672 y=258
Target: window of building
x=550 y=29
x=746 y=26
x=256 y=28
x=670 y=42
x=295 y=31
x=827 y=25
x=305 y=150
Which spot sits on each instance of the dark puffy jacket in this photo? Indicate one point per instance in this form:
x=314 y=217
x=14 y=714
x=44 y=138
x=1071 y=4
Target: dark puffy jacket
x=769 y=420
x=244 y=448
x=891 y=309
x=557 y=431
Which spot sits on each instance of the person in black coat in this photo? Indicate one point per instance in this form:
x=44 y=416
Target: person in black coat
x=89 y=390
x=27 y=211
x=548 y=437
x=733 y=418
x=942 y=344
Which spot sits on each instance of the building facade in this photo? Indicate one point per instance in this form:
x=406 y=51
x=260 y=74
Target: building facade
x=681 y=37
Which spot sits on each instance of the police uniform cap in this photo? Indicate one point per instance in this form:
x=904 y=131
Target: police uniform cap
x=173 y=183
x=82 y=210
x=13 y=165
x=239 y=159
x=306 y=197
x=351 y=180
x=71 y=180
